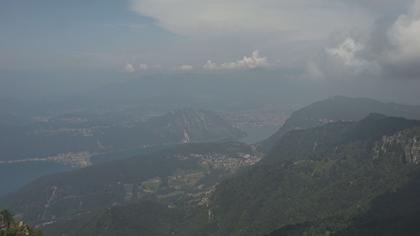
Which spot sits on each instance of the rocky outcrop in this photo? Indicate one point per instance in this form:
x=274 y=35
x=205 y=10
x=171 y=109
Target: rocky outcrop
x=404 y=145
x=11 y=227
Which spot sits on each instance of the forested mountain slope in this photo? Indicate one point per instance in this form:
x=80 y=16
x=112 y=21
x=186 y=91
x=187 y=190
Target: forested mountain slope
x=333 y=171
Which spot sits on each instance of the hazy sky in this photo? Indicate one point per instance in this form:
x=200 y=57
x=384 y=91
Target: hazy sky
x=321 y=39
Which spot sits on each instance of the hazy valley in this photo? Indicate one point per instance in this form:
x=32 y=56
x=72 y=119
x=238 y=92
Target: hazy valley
x=209 y=118
x=320 y=172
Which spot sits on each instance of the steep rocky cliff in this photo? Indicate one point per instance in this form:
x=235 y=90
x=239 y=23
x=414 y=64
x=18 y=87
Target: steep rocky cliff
x=404 y=145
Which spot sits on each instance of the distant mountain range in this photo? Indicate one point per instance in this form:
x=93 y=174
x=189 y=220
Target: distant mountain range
x=50 y=138
x=77 y=140
x=343 y=171
x=340 y=108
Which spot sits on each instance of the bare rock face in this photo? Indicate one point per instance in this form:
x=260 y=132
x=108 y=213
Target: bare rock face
x=404 y=145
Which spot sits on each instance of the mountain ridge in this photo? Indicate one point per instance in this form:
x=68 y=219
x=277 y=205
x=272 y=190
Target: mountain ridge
x=339 y=108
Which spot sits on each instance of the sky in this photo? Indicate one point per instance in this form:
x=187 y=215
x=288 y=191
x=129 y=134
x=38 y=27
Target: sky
x=318 y=39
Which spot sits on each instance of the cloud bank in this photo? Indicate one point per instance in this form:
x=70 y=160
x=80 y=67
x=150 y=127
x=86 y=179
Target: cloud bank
x=378 y=37
x=392 y=50
x=129 y=68
x=403 y=58
x=247 y=62
x=298 y=19
x=255 y=60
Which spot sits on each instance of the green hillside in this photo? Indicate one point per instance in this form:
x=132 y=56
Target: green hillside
x=332 y=171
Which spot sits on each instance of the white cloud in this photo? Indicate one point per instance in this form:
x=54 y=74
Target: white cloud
x=143 y=67
x=402 y=58
x=346 y=53
x=304 y=19
x=345 y=60
x=129 y=68
x=397 y=57
x=247 y=62
x=295 y=32
x=186 y=67
x=405 y=35
x=374 y=49
x=254 y=61
x=210 y=65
